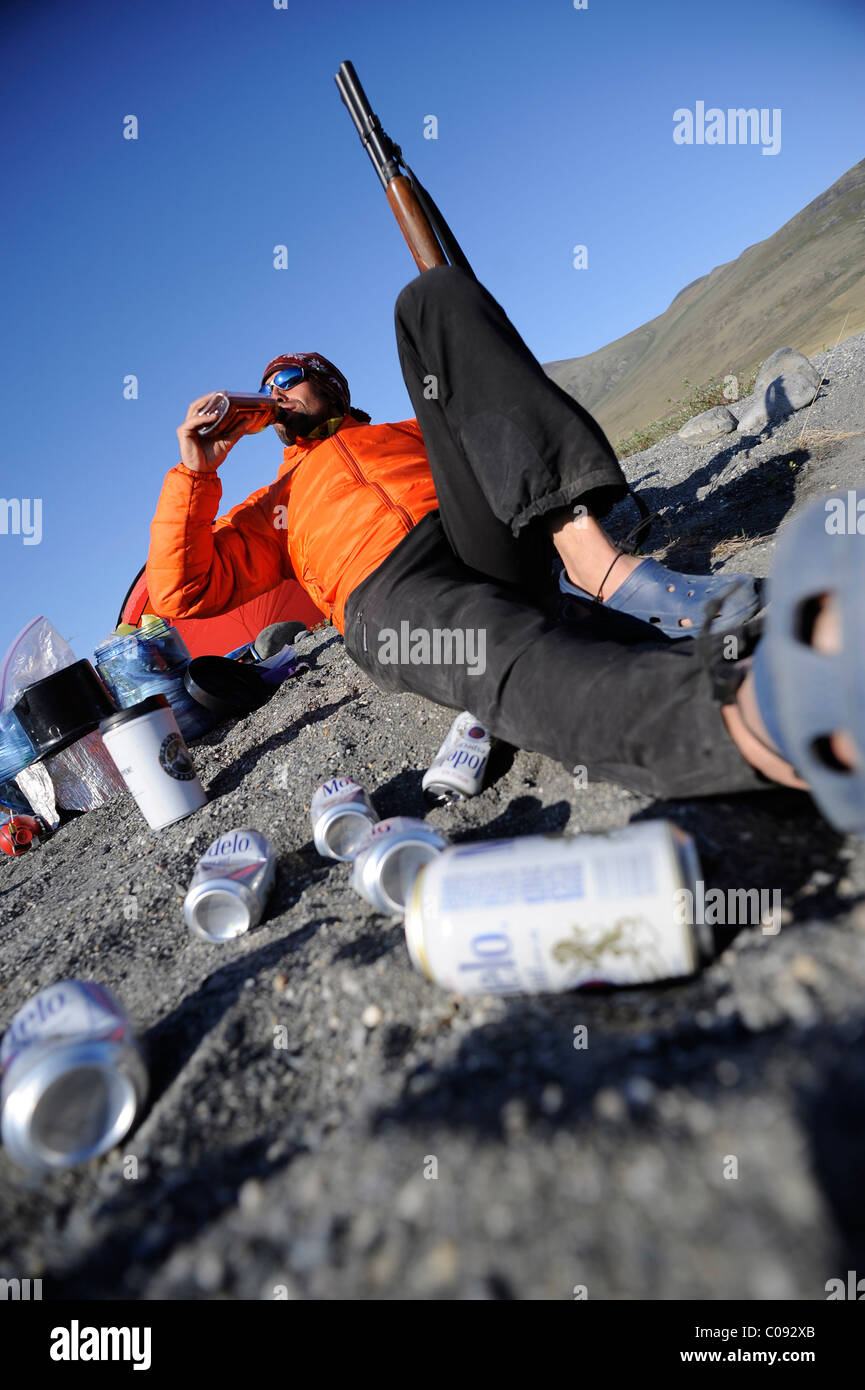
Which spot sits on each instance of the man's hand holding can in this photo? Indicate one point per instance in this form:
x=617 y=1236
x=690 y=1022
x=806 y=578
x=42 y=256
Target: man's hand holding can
x=200 y=453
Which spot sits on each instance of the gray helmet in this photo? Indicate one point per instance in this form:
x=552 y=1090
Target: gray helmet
x=805 y=695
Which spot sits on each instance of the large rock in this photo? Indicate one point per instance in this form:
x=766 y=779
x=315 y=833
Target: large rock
x=754 y=417
x=797 y=387
x=785 y=393
x=710 y=425
x=782 y=362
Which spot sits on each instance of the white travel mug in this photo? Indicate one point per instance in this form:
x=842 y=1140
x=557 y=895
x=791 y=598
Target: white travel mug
x=153 y=760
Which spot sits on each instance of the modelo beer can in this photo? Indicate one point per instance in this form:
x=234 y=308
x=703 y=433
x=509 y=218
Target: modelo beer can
x=547 y=913
x=230 y=886
x=457 y=770
x=389 y=860
x=342 y=815
x=73 y=1077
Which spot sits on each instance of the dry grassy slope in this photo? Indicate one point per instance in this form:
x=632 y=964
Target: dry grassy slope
x=795 y=288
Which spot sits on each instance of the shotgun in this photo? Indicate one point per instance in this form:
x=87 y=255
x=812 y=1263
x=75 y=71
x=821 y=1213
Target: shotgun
x=428 y=235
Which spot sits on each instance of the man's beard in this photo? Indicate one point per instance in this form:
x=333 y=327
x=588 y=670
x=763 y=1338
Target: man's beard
x=297 y=424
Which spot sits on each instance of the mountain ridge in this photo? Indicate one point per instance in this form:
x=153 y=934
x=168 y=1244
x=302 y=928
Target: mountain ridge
x=801 y=286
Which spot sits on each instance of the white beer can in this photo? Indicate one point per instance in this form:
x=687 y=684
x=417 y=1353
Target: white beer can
x=457 y=770
x=390 y=858
x=341 y=815
x=73 y=1077
x=548 y=913
x=230 y=886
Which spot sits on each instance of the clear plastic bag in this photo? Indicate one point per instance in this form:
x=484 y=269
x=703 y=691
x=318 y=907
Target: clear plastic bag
x=36 y=652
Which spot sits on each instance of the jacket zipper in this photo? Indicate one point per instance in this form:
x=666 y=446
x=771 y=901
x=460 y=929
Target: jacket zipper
x=361 y=477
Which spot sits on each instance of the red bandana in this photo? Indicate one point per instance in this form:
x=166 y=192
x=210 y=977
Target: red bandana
x=328 y=378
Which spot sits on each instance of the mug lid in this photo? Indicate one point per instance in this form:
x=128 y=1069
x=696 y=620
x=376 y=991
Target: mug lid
x=225 y=687
x=148 y=706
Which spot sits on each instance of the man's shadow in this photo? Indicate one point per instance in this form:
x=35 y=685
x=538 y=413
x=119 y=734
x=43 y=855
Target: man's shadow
x=750 y=503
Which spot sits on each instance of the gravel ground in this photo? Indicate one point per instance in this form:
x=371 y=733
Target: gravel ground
x=302 y=1171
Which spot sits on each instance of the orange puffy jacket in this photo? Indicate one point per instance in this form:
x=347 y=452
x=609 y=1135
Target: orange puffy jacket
x=336 y=510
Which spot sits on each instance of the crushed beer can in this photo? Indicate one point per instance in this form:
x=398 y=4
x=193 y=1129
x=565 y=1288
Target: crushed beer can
x=457 y=770
x=389 y=860
x=73 y=1077
x=230 y=886
x=548 y=913
x=341 y=815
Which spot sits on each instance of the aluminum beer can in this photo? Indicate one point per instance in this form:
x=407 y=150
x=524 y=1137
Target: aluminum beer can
x=388 y=861
x=341 y=815
x=457 y=770
x=254 y=409
x=230 y=886
x=73 y=1077
x=547 y=913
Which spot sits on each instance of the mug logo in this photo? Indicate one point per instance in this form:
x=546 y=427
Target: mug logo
x=174 y=758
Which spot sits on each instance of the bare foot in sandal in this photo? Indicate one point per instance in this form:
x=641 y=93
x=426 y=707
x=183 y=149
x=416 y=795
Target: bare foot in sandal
x=597 y=572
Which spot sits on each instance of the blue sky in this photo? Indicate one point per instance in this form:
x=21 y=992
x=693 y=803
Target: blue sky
x=154 y=256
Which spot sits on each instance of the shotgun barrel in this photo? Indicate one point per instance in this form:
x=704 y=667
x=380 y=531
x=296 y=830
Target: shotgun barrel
x=385 y=155
x=428 y=236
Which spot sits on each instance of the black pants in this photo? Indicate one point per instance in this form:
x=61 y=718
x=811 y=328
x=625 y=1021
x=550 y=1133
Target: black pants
x=458 y=611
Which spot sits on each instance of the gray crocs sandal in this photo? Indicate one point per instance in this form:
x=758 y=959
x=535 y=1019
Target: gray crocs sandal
x=805 y=696
x=661 y=597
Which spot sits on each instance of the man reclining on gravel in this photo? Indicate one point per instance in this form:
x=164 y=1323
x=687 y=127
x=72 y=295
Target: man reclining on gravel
x=445 y=523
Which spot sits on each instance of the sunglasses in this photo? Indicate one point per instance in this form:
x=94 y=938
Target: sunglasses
x=288 y=377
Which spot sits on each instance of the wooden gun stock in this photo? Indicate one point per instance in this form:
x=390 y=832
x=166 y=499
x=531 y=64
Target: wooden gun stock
x=414 y=224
